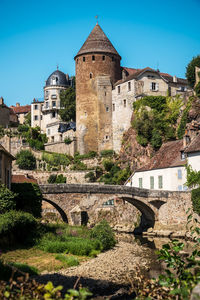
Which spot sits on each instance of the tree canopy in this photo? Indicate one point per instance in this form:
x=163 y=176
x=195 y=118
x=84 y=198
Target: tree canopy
x=68 y=104
x=190 y=70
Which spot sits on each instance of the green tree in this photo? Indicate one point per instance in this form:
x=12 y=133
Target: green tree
x=28 y=119
x=190 y=70
x=68 y=104
x=26 y=160
x=7 y=201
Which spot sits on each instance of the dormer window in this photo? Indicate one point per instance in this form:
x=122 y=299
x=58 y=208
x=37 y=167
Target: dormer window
x=54 y=80
x=183 y=156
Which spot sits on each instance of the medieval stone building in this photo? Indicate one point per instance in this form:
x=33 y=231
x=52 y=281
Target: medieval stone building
x=105 y=93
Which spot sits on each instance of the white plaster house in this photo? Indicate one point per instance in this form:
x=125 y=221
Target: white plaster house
x=192 y=152
x=166 y=170
x=45 y=113
x=137 y=83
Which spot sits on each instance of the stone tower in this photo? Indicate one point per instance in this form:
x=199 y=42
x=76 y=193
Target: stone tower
x=97 y=69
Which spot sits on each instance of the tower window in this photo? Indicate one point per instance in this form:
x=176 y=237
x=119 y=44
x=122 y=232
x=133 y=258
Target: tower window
x=83 y=58
x=124 y=102
x=93 y=57
x=103 y=57
x=53 y=115
x=129 y=86
x=113 y=106
x=107 y=108
x=118 y=89
x=90 y=75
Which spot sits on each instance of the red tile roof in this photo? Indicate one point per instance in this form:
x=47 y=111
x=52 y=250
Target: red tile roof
x=194 y=146
x=136 y=72
x=23 y=179
x=21 y=109
x=169 y=155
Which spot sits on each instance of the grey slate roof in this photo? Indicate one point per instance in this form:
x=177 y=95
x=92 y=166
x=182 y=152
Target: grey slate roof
x=97 y=41
x=60 y=77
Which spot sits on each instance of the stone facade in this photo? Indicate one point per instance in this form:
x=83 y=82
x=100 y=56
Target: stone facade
x=97 y=69
x=159 y=209
x=5 y=167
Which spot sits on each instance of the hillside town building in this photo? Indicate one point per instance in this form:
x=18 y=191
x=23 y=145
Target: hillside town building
x=5 y=167
x=7 y=115
x=21 y=111
x=105 y=93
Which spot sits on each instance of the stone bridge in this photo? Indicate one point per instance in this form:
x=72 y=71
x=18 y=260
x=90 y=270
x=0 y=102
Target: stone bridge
x=159 y=209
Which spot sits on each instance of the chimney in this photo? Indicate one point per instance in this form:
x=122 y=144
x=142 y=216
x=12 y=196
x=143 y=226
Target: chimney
x=174 y=79
x=17 y=104
x=1 y=101
x=123 y=74
x=186 y=140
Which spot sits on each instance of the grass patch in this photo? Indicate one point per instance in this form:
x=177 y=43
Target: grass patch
x=70 y=261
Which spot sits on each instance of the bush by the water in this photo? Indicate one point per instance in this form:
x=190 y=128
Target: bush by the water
x=104 y=233
x=7 y=199
x=26 y=160
x=29 y=198
x=17 y=227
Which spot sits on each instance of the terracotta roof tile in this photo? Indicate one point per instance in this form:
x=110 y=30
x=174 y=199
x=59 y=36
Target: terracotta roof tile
x=23 y=179
x=169 y=155
x=194 y=146
x=21 y=109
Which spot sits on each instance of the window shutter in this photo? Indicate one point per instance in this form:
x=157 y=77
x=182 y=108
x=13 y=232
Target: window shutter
x=157 y=86
x=150 y=86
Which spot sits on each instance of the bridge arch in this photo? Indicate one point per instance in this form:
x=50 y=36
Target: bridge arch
x=58 y=208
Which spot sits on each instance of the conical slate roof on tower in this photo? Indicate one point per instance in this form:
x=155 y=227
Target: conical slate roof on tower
x=97 y=41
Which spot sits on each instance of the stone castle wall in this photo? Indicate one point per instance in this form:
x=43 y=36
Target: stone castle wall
x=92 y=99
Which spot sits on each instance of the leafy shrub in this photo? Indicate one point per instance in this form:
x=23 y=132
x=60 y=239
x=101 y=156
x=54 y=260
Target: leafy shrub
x=29 y=198
x=196 y=200
x=88 y=155
x=30 y=289
x=184 y=120
x=90 y=176
x=156 y=139
x=190 y=70
x=67 y=141
x=26 y=160
x=25 y=268
x=78 y=165
x=53 y=178
x=17 y=227
x=197 y=89
x=104 y=233
x=108 y=164
x=7 y=201
x=70 y=261
x=106 y=153
x=56 y=159
x=142 y=140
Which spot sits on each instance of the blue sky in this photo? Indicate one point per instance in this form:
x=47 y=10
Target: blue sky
x=36 y=35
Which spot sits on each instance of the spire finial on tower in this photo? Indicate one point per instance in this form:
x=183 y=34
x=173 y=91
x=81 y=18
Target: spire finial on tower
x=97 y=19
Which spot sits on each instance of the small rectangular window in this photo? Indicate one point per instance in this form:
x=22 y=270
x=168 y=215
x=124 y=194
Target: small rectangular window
x=179 y=174
x=41 y=117
x=53 y=103
x=153 y=86
x=53 y=114
x=35 y=118
x=93 y=57
x=151 y=182
x=118 y=89
x=113 y=106
x=36 y=107
x=124 y=102
x=129 y=86
x=48 y=131
x=103 y=57
x=107 y=108
x=160 y=182
x=83 y=58
x=47 y=104
x=140 y=183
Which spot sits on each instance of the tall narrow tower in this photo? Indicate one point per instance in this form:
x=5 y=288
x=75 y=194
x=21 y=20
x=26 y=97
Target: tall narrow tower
x=97 y=69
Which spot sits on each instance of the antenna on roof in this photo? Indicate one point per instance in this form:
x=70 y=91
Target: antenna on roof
x=97 y=19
